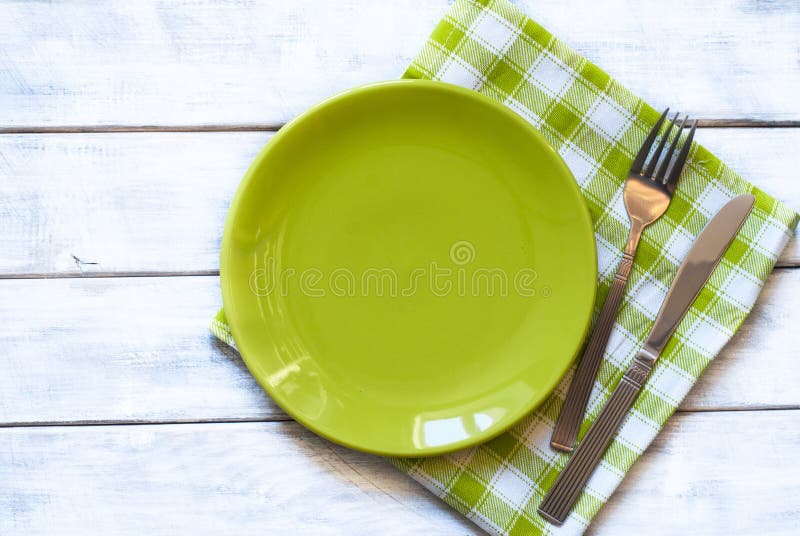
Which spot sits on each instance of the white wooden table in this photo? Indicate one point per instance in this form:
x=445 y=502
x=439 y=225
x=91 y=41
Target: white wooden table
x=124 y=130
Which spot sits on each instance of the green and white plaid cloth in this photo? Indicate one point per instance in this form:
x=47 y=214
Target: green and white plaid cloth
x=597 y=126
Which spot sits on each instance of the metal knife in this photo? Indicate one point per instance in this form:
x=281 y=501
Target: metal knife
x=692 y=275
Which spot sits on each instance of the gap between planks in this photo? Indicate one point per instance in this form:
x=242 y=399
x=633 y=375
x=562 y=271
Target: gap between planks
x=187 y=273
x=286 y=418
x=107 y=275
x=268 y=127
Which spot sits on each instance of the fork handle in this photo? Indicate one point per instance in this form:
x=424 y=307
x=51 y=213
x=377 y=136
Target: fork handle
x=569 y=421
x=573 y=478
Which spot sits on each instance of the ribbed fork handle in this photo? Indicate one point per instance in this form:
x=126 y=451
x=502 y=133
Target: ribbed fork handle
x=569 y=421
x=570 y=482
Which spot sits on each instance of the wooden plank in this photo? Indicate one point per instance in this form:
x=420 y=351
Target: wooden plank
x=156 y=202
x=262 y=478
x=198 y=62
x=120 y=350
x=138 y=350
x=277 y=478
x=118 y=202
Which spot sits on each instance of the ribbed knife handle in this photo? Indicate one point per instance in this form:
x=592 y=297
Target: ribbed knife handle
x=570 y=482
x=571 y=416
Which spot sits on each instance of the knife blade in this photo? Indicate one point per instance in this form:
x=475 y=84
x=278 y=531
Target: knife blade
x=703 y=257
x=696 y=269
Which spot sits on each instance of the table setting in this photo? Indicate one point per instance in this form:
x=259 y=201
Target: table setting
x=468 y=267
x=644 y=254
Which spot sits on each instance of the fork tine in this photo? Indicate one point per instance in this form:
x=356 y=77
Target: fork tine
x=638 y=162
x=662 y=169
x=674 y=172
x=651 y=166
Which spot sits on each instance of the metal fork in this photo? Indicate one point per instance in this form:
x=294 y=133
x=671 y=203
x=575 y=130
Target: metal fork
x=648 y=192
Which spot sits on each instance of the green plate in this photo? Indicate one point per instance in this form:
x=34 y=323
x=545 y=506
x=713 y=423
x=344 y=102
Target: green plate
x=408 y=268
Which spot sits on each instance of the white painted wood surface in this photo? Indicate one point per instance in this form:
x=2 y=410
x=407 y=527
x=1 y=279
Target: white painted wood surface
x=279 y=479
x=194 y=479
x=196 y=62
x=103 y=348
x=156 y=202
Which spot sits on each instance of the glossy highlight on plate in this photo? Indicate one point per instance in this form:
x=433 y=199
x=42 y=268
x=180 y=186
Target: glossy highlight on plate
x=408 y=268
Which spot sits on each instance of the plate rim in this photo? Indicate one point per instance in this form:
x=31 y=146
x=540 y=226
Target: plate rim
x=250 y=175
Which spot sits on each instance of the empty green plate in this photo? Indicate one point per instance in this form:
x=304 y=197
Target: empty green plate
x=408 y=268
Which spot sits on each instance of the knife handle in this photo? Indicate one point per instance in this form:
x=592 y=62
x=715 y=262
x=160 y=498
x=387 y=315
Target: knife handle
x=571 y=416
x=570 y=482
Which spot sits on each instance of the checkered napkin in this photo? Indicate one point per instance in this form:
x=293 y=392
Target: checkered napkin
x=597 y=126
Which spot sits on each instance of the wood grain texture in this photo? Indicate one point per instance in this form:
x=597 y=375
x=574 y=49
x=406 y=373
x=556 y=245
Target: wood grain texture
x=231 y=479
x=120 y=350
x=277 y=478
x=138 y=350
x=76 y=204
x=198 y=62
